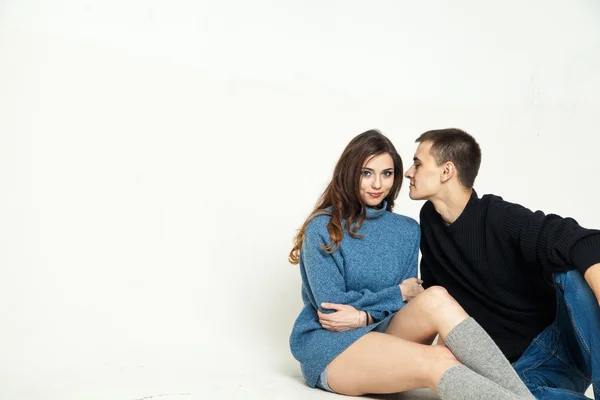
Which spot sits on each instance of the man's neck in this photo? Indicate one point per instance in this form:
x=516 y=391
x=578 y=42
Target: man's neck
x=451 y=205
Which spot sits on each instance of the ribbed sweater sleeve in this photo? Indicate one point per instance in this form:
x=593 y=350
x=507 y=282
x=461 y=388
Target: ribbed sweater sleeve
x=558 y=244
x=327 y=283
x=413 y=264
x=426 y=274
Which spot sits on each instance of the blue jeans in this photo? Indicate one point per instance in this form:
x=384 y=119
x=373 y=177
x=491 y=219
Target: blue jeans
x=564 y=359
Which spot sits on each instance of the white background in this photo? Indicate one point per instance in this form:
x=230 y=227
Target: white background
x=157 y=157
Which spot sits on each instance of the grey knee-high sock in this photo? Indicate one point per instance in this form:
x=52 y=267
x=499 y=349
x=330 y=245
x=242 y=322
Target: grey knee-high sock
x=474 y=348
x=462 y=383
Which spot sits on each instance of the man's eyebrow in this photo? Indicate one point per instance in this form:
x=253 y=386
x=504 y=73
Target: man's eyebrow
x=415 y=158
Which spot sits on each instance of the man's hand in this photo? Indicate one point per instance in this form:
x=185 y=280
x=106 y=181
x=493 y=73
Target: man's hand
x=410 y=288
x=344 y=318
x=592 y=277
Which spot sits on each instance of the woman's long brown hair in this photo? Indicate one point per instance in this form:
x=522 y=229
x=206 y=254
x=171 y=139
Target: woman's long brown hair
x=341 y=200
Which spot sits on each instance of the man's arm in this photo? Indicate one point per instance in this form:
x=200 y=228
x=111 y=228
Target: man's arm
x=426 y=275
x=426 y=272
x=557 y=244
x=425 y=269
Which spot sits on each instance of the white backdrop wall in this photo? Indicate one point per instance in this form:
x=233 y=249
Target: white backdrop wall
x=157 y=157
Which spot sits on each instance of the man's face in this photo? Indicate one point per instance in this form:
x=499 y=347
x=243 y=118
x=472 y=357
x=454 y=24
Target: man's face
x=424 y=175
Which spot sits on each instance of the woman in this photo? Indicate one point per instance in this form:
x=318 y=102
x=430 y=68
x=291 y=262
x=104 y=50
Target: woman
x=354 y=251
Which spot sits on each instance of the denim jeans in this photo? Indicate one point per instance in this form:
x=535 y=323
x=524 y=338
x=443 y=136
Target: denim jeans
x=564 y=359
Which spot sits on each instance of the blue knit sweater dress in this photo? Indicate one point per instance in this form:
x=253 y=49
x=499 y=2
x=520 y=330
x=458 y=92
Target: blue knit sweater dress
x=364 y=273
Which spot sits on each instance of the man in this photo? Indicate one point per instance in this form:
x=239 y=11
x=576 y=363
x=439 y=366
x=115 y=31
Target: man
x=531 y=280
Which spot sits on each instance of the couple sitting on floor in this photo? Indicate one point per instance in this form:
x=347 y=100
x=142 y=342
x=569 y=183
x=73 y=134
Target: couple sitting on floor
x=513 y=294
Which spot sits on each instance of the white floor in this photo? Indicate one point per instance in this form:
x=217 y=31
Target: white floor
x=146 y=385
x=169 y=382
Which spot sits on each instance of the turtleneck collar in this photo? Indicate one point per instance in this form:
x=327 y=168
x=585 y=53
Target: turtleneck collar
x=373 y=213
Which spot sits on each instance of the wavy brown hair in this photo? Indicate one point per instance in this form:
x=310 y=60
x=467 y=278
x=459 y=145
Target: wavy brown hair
x=341 y=199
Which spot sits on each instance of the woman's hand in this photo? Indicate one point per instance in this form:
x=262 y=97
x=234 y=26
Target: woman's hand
x=344 y=318
x=410 y=288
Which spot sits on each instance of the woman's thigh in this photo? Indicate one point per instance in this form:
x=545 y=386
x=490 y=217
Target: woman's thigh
x=382 y=363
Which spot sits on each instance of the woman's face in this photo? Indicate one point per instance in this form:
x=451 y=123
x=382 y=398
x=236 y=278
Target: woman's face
x=377 y=179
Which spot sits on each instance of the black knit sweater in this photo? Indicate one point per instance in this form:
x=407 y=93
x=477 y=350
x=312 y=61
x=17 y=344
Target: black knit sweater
x=497 y=261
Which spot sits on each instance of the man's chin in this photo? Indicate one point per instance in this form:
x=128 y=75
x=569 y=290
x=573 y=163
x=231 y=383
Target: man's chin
x=414 y=196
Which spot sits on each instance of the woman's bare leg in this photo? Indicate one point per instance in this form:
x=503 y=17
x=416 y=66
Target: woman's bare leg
x=382 y=363
x=430 y=313
x=435 y=311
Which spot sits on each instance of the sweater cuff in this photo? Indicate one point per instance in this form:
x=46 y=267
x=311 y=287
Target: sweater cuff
x=586 y=253
x=396 y=297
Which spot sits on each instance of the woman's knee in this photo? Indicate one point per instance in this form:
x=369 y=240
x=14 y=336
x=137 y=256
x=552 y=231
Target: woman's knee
x=438 y=296
x=437 y=291
x=440 y=299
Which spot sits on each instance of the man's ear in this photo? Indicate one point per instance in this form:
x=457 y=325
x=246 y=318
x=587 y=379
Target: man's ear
x=448 y=171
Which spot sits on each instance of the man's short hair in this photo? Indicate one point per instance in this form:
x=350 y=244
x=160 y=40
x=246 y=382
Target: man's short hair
x=457 y=146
